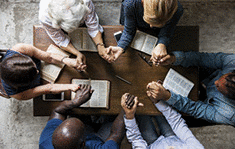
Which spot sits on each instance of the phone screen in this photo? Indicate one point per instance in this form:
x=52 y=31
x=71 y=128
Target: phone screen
x=118 y=35
x=53 y=97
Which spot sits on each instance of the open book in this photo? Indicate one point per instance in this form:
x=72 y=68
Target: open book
x=50 y=72
x=100 y=96
x=82 y=41
x=144 y=42
x=141 y=41
x=177 y=83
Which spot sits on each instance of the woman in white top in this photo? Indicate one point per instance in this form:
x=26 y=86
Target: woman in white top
x=59 y=17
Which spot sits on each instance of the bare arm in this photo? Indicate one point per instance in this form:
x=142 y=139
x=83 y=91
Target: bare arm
x=117 y=131
x=82 y=96
x=49 y=57
x=45 y=89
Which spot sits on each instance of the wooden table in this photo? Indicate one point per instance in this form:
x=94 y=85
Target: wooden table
x=129 y=66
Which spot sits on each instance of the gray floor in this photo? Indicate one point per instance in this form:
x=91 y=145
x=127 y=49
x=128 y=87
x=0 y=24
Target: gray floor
x=20 y=130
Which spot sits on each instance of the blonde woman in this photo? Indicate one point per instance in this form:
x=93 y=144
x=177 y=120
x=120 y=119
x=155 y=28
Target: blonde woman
x=159 y=15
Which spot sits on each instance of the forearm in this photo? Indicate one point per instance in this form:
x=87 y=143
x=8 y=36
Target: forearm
x=62 y=110
x=117 y=131
x=208 y=60
x=133 y=134
x=71 y=49
x=197 y=109
x=129 y=27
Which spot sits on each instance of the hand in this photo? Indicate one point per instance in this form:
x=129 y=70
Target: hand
x=74 y=87
x=156 y=92
x=115 y=52
x=129 y=104
x=105 y=54
x=167 y=60
x=81 y=62
x=82 y=95
x=158 y=53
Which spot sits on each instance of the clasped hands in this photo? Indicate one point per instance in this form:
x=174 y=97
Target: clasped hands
x=78 y=63
x=111 y=53
x=155 y=92
x=160 y=56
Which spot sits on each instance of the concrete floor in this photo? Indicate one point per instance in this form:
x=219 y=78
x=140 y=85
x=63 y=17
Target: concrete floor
x=20 y=130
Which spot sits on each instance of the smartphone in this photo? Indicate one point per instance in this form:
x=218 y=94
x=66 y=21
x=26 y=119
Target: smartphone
x=53 y=97
x=118 y=35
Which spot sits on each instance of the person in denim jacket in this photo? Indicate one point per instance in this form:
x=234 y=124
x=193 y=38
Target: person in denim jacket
x=159 y=16
x=219 y=106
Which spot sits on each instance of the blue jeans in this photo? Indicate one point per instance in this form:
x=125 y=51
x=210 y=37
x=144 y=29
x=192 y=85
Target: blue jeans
x=148 y=129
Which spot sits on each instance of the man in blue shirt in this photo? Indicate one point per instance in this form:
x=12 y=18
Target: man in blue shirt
x=219 y=106
x=69 y=133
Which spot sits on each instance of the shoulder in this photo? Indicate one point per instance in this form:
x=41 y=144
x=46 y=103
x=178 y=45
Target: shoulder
x=10 y=53
x=43 y=10
x=131 y=3
x=49 y=129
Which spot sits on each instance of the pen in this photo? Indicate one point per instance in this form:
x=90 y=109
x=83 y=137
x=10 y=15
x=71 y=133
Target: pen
x=123 y=79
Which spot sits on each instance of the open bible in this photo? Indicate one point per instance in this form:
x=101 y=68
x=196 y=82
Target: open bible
x=50 y=72
x=82 y=41
x=100 y=96
x=144 y=42
x=177 y=83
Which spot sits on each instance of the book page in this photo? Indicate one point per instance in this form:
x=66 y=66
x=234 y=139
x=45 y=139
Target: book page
x=80 y=81
x=138 y=40
x=51 y=71
x=88 y=44
x=149 y=44
x=76 y=38
x=177 y=83
x=100 y=96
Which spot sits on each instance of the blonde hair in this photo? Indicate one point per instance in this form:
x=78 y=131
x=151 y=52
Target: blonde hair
x=158 y=12
x=67 y=14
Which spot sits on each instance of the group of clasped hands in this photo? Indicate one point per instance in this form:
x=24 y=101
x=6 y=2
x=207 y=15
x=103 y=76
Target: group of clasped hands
x=155 y=92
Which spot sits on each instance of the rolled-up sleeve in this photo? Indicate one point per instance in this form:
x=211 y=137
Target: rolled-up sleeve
x=57 y=35
x=92 y=21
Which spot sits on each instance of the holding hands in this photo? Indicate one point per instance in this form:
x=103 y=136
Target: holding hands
x=78 y=63
x=160 y=56
x=113 y=53
x=156 y=92
x=129 y=104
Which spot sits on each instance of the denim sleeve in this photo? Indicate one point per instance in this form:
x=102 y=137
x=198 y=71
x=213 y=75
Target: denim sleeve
x=198 y=109
x=129 y=25
x=209 y=60
x=167 y=31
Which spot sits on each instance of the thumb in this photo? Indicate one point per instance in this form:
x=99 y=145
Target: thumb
x=165 y=60
x=140 y=104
